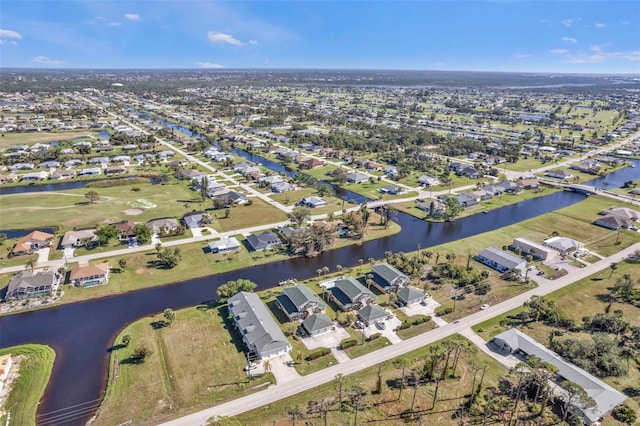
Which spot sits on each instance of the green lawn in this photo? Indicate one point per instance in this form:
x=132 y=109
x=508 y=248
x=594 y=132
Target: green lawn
x=13 y=138
x=245 y=216
x=70 y=209
x=194 y=363
x=26 y=391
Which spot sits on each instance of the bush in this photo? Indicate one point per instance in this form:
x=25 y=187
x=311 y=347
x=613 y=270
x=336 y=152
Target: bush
x=347 y=343
x=405 y=324
x=374 y=336
x=625 y=414
x=422 y=320
x=318 y=353
x=444 y=311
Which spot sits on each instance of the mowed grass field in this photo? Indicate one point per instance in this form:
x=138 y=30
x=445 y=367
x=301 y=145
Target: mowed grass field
x=194 y=363
x=36 y=362
x=9 y=139
x=70 y=209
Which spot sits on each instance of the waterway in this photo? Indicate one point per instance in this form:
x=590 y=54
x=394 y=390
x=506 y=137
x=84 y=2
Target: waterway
x=81 y=333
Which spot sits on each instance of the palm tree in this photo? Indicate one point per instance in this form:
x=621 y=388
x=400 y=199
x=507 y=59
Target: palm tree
x=31 y=264
x=267 y=366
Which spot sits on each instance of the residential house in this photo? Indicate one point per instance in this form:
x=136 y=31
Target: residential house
x=529 y=183
x=89 y=275
x=537 y=251
x=32 y=242
x=299 y=302
x=427 y=181
x=563 y=244
x=317 y=324
x=63 y=174
x=264 y=241
x=49 y=164
x=309 y=163
x=281 y=187
x=28 y=284
x=494 y=191
x=349 y=294
x=103 y=161
x=8 y=178
x=196 y=219
x=229 y=197
x=357 y=177
x=259 y=330
x=224 y=245
x=479 y=195
x=313 y=202
x=34 y=177
x=618 y=218
x=560 y=174
x=115 y=170
x=470 y=172
x=387 y=278
x=411 y=295
x=90 y=171
x=509 y=187
x=121 y=159
x=391 y=190
x=605 y=397
x=189 y=174
x=125 y=229
x=432 y=207
x=465 y=200
x=391 y=171
x=370 y=314
x=500 y=260
x=81 y=238
x=163 y=226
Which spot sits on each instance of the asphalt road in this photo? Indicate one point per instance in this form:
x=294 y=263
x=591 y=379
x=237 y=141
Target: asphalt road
x=278 y=392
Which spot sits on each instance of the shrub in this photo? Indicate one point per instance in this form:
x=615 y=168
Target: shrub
x=405 y=324
x=422 y=320
x=318 y=353
x=444 y=311
x=374 y=336
x=347 y=343
x=625 y=414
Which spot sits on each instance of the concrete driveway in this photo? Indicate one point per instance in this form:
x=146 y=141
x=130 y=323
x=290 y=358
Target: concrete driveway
x=281 y=367
x=331 y=339
x=417 y=309
x=388 y=332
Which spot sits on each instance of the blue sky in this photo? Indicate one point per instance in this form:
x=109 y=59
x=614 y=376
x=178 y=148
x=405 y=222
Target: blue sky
x=534 y=36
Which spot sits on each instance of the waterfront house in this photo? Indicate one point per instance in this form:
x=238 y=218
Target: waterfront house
x=387 y=278
x=264 y=241
x=224 y=245
x=89 y=275
x=500 y=260
x=32 y=242
x=349 y=294
x=28 y=284
x=299 y=302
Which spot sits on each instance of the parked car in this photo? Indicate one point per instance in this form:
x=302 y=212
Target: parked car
x=251 y=366
x=359 y=324
x=399 y=303
x=381 y=325
x=540 y=273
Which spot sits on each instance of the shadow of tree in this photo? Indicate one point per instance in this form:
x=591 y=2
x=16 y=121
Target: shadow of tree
x=116 y=347
x=156 y=325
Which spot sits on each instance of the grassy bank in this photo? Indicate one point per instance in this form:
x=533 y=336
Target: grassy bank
x=36 y=362
x=193 y=363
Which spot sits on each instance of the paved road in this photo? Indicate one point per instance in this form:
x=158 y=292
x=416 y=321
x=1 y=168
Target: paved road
x=281 y=391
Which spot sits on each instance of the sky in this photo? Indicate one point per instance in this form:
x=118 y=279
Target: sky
x=531 y=36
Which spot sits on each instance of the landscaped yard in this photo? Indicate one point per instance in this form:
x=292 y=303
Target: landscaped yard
x=36 y=362
x=193 y=363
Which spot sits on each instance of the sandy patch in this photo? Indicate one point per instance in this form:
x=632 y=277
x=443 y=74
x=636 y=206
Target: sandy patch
x=140 y=271
x=141 y=203
x=133 y=212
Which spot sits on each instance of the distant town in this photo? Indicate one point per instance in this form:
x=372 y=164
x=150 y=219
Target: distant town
x=244 y=247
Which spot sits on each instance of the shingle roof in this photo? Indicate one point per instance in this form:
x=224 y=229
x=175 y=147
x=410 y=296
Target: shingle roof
x=300 y=295
x=605 y=396
x=389 y=273
x=352 y=288
x=317 y=322
x=82 y=271
x=256 y=324
x=371 y=313
x=503 y=258
x=408 y=294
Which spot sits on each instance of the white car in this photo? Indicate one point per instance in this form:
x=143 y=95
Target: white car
x=251 y=366
x=485 y=306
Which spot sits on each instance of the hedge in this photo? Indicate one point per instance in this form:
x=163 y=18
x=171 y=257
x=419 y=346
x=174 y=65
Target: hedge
x=318 y=353
x=444 y=311
x=347 y=343
x=422 y=320
x=374 y=336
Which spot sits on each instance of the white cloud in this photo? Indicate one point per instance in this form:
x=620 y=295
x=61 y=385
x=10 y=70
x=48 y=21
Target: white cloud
x=521 y=55
x=223 y=39
x=45 y=60
x=209 y=65
x=114 y=24
x=569 y=39
x=567 y=22
x=10 y=34
x=601 y=25
x=558 y=51
x=598 y=54
x=132 y=16
x=253 y=42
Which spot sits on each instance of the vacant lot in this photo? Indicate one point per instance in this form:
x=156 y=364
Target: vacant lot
x=245 y=216
x=9 y=139
x=193 y=363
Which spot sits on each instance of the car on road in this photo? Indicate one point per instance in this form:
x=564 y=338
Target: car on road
x=381 y=325
x=484 y=307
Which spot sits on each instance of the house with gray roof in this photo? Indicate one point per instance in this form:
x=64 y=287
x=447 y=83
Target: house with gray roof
x=313 y=202
x=563 y=244
x=78 y=238
x=371 y=314
x=28 y=284
x=317 y=324
x=387 y=278
x=500 y=260
x=298 y=302
x=537 y=251
x=411 y=295
x=263 y=241
x=357 y=177
x=196 y=219
x=224 y=245
x=349 y=294
x=259 y=330
x=606 y=398
x=163 y=226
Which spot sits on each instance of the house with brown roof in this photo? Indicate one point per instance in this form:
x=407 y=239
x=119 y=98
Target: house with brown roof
x=125 y=229
x=309 y=163
x=32 y=242
x=89 y=275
